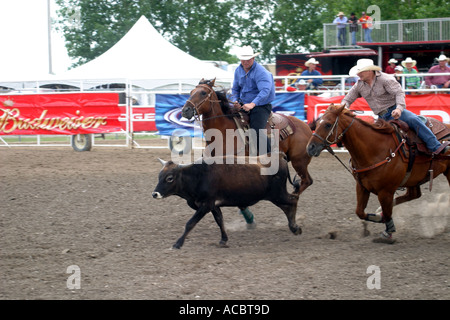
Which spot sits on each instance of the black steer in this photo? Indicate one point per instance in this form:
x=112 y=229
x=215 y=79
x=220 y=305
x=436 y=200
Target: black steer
x=207 y=187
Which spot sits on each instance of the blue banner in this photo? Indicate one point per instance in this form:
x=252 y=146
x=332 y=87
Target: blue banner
x=168 y=117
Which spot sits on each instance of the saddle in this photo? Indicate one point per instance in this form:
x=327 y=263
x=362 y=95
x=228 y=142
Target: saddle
x=414 y=150
x=275 y=121
x=402 y=130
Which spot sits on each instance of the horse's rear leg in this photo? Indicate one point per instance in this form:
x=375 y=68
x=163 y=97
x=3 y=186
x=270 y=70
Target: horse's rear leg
x=248 y=216
x=301 y=167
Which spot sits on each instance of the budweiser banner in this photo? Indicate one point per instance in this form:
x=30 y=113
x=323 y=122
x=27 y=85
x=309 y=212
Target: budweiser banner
x=71 y=113
x=429 y=105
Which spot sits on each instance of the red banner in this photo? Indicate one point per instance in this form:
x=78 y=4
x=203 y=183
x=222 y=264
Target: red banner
x=429 y=105
x=70 y=113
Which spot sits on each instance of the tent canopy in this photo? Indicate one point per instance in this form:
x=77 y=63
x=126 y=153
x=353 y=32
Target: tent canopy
x=144 y=58
x=148 y=60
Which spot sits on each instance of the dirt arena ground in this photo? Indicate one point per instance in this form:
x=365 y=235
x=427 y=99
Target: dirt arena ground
x=93 y=212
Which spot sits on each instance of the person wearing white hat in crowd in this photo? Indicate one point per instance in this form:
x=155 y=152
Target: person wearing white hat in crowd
x=341 y=22
x=386 y=98
x=439 y=81
x=398 y=70
x=312 y=83
x=408 y=68
x=390 y=69
x=254 y=90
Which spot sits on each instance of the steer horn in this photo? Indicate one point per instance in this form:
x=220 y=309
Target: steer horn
x=162 y=162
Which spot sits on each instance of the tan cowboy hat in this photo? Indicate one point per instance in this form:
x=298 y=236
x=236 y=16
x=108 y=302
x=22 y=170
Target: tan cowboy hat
x=392 y=60
x=442 y=57
x=246 y=53
x=340 y=14
x=312 y=60
x=363 y=65
x=409 y=60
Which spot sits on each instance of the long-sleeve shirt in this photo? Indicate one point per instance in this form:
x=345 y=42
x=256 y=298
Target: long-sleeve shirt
x=255 y=86
x=315 y=81
x=437 y=80
x=341 y=22
x=384 y=92
x=411 y=82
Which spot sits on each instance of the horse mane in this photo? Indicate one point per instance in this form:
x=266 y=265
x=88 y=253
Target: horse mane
x=380 y=125
x=221 y=95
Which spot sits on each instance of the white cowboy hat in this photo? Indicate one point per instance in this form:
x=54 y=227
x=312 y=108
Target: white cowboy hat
x=312 y=60
x=392 y=60
x=363 y=65
x=340 y=14
x=246 y=53
x=398 y=68
x=409 y=60
x=442 y=57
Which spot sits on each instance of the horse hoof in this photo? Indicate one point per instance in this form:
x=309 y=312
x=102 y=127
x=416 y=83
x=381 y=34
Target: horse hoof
x=385 y=238
x=251 y=226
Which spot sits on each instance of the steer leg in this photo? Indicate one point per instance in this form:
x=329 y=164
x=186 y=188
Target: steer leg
x=289 y=207
x=198 y=215
x=218 y=216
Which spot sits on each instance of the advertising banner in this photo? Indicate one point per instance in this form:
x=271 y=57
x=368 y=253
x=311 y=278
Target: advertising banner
x=169 y=119
x=71 y=113
x=429 y=105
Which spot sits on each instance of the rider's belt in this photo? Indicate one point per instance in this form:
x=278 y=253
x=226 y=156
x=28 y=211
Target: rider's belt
x=390 y=109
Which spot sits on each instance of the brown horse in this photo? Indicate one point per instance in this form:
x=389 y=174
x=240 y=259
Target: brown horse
x=376 y=162
x=216 y=114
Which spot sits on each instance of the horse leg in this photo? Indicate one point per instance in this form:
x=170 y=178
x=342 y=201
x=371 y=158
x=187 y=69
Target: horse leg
x=218 y=216
x=362 y=198
x=386 y=200
x=301 y=167
x=198 y=215
x=248 y=216
x=411 y=194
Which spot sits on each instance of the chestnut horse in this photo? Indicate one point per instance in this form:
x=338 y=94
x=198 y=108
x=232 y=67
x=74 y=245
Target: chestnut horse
x=216 y=114
x=376 y=162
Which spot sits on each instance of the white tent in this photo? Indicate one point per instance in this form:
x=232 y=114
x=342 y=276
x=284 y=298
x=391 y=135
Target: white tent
x=148 y=60
x=143 y=58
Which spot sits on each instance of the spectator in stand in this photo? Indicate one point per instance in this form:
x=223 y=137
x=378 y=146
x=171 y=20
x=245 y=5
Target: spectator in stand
x=439 y=81
x=390 y=69
x=398 y=70
x=312 y=83
x=408 y=68
x=366 y=23
x=341 y=22
x=353 y=21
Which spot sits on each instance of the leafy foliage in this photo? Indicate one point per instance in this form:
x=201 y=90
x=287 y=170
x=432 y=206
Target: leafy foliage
x=207 y=29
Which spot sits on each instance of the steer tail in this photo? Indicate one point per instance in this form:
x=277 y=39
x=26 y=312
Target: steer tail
x=295 y=184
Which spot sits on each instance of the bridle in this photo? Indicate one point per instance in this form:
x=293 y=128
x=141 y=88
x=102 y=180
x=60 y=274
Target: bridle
x=325 y=140
x=208 y=97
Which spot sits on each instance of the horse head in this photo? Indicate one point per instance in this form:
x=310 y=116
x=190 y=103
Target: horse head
x=198 y=99
x=327 y=131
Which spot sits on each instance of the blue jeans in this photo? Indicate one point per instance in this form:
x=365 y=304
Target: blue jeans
x=341 y=36
x=368 y=35
x=353 y=33
x=418 y=126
